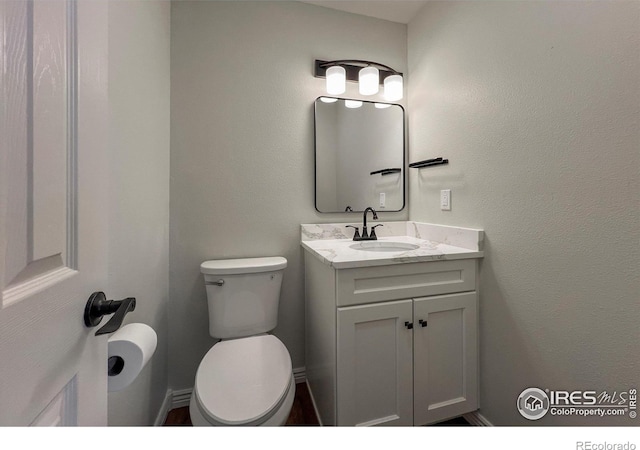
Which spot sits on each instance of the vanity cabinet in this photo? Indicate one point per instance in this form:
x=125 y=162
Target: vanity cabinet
x=392 y=345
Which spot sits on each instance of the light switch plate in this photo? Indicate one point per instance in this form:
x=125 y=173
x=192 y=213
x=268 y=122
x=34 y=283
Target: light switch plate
x=445 y=200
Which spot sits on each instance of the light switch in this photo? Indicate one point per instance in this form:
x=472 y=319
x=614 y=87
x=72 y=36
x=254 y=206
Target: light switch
x=445 y=200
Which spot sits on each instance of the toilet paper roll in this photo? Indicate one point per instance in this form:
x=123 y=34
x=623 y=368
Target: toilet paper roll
x=130 y=349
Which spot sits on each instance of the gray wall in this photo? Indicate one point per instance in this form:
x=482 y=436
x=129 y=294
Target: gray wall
x=242 y=94
x=139 y=35
x=536 y=105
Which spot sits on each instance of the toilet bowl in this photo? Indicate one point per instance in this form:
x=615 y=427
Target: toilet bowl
x=246 y=379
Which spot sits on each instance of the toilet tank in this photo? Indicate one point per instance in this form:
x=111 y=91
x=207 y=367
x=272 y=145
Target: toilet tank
x=243 y=295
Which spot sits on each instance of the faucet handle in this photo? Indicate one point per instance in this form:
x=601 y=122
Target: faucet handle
x=357 y=233
x=373 y=231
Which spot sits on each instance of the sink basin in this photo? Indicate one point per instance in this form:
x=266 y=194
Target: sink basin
x=384 y=246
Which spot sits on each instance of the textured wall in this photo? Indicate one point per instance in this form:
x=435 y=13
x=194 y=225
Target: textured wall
x=242 y=95
x=536 y=104
x=139 y=35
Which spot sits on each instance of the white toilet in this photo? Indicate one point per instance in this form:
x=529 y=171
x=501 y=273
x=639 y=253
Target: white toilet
x=246 y=378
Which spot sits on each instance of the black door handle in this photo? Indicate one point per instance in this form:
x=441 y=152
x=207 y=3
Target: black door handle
x=98 y=306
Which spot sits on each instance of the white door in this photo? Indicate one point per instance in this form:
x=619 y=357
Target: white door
x=375 y=370
x=445 y=357
x=53 y=222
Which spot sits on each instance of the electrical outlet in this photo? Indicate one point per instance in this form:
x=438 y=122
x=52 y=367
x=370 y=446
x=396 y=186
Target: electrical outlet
x=383 y=200
x=445 y=200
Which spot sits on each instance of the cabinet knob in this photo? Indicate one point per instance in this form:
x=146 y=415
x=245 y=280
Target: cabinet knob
x=423 y=323
x=409 y=325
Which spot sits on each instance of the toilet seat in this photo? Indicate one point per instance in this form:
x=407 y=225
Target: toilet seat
x=243 y=381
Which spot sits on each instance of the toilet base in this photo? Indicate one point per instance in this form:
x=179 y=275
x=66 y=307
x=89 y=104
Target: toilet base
x=278 y=419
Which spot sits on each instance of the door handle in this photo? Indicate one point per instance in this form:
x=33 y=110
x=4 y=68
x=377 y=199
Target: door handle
x=98 y=306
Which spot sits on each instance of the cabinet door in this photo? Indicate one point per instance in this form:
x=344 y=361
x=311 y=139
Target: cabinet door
x=375 y=365
x=445 y=357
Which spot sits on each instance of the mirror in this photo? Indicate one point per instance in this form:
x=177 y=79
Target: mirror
x=360 y=155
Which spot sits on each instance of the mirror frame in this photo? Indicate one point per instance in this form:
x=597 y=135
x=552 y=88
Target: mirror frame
x=315 y=157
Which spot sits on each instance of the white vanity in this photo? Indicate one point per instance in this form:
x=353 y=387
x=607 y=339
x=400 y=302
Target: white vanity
x=392 y=324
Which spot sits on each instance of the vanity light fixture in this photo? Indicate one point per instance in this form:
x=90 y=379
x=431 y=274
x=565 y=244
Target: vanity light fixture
x=369 y=80
x=393 y=88
x=336 y=82
x=368 y=74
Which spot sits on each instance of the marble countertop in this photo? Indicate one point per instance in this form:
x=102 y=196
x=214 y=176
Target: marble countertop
x=333 y=244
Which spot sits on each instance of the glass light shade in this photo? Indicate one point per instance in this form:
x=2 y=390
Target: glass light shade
x=328 y=100
x=352 y=103
x=382 y=105
x=368 y=80
x=393 y=88
x=336 y=80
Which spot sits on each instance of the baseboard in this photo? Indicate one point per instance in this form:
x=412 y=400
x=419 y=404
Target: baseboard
x=164 y=410
x=315 y=407
x=477 y=420
x=180 y=398
x=300 y=375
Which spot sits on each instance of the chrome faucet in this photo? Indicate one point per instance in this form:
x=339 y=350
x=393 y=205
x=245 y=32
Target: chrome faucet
x=365 y=234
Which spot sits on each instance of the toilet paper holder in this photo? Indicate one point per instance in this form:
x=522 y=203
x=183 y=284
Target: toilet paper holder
x=98 y=306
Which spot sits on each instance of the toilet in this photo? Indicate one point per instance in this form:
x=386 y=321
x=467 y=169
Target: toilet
x=245 y=379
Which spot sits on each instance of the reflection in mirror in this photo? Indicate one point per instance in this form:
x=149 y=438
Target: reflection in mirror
x=359 y=155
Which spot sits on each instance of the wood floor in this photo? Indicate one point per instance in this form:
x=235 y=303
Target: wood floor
x=302 y=413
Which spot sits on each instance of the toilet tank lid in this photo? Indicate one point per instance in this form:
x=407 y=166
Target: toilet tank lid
x=243 y=265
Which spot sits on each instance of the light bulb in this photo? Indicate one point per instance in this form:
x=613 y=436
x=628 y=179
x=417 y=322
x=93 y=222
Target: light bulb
x=328 y=100
x=352 y=103
x=382 y=105
x=336 y=80
x=393 y=88
x=368 y=80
